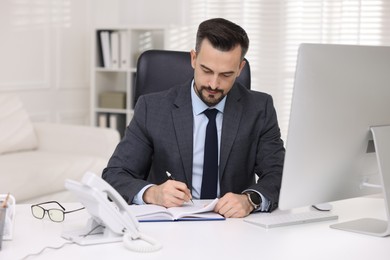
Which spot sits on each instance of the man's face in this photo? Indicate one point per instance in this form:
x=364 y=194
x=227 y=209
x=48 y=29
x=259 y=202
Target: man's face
x=215 y=71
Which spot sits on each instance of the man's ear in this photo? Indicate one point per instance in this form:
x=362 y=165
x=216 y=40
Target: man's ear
x=242 y=65
x=193 y=58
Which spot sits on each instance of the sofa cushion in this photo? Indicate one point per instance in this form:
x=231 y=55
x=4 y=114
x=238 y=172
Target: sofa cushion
x=17 y=132
x=38 y=173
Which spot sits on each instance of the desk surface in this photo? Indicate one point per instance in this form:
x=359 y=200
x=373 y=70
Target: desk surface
x=230 y=239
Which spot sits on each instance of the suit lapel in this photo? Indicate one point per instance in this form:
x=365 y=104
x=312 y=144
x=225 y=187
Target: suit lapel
x=182 y=117
x=231 y=121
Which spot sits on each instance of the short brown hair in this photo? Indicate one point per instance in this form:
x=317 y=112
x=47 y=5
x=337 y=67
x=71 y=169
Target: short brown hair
x=223 y=35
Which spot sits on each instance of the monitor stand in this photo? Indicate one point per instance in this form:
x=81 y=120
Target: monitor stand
x=369 y=226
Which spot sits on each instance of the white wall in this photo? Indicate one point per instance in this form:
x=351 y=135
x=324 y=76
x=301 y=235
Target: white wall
x=166 y=12
x=45 y=49
x=44 y=57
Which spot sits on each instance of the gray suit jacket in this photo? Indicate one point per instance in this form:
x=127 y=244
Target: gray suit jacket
x=160 y=138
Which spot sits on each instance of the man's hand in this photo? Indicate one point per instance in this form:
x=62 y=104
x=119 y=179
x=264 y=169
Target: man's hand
x=169 y=194
x=234 y=206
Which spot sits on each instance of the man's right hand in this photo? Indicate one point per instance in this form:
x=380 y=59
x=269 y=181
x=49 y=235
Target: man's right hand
x=169 y=194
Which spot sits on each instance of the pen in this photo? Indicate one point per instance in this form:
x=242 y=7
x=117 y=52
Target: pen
x=169 y=175
x=4 y=204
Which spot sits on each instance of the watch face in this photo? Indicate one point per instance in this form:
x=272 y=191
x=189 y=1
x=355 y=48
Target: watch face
x=255 y=198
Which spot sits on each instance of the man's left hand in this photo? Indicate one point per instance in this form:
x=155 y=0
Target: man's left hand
x=234 y=206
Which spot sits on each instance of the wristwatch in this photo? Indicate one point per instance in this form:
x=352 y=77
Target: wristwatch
x=254 y=199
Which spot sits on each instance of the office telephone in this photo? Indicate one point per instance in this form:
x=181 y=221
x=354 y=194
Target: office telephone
x=111 y=219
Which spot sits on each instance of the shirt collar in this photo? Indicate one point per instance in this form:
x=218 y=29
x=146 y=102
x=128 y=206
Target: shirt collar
x=199 y=106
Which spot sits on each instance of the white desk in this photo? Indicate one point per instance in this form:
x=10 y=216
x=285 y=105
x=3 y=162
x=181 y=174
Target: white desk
x=230 y=239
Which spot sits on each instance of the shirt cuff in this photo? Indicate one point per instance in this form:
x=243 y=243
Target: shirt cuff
x=138 y=197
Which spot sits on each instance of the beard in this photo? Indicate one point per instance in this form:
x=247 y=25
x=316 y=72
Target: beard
x=210 y=99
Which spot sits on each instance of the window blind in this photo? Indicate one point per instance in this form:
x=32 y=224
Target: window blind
x=277 y=27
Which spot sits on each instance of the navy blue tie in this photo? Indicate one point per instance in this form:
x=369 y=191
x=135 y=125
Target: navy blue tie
x=210 y=163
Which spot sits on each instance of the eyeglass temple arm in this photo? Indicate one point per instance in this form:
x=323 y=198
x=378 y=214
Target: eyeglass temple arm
x=73 y=210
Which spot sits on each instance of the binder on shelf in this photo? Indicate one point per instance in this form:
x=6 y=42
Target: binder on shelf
x=102 y=120
x=99 y=50
x=114 y=36
x=124 y=50
x=106 y=49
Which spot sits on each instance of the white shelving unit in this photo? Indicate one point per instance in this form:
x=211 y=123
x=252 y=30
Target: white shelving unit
x=116 y=77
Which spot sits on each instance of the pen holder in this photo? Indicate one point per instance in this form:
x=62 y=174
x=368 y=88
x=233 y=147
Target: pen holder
x=7 y=218
x=3 y=212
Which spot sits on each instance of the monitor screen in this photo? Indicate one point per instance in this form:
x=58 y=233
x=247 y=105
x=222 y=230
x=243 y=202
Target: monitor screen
x=340 y=92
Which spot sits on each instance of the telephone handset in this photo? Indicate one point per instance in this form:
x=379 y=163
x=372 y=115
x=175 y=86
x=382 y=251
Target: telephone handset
x=111 y=218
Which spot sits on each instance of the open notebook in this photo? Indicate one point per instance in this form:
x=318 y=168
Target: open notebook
x=200 y=210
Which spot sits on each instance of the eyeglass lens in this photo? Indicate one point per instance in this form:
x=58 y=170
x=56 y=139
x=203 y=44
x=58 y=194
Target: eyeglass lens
x=55 y=215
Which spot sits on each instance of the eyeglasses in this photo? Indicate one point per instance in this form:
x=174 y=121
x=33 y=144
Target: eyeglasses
x=56 y=215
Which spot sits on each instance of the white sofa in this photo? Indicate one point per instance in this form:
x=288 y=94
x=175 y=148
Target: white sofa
x=37 y=158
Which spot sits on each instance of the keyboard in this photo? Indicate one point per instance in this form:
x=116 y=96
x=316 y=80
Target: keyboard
x=287 y=219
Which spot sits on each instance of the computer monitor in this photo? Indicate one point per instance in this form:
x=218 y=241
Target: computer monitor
x=339 y=129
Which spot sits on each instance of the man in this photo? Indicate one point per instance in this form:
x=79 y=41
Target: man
x=168 y=132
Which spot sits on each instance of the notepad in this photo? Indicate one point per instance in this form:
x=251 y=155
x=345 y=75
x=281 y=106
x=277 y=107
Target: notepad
x=188 y=212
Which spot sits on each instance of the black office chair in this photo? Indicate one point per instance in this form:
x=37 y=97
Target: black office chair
x=159 y=70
